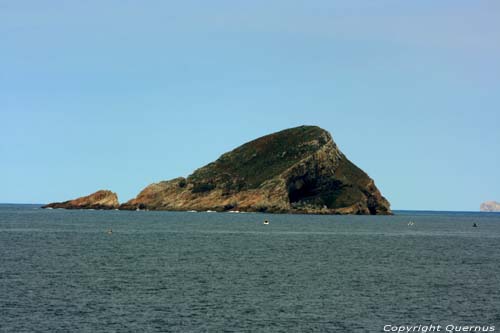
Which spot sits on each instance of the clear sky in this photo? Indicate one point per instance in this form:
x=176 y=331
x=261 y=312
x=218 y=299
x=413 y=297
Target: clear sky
x=119 y=94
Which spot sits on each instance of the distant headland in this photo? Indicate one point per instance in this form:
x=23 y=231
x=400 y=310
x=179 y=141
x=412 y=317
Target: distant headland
x=490 y=206
x=297 y=170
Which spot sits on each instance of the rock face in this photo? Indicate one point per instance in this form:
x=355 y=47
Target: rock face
x=102 y=199
x=490 y=206
x=298 y=170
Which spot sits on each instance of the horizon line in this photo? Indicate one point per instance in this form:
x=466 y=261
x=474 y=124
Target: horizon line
x=394 y=210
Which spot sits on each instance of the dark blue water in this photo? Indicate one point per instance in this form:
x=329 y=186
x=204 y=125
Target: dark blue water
x=60 y=271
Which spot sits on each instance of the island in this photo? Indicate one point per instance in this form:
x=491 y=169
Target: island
x=297 y=170
x=490 y=206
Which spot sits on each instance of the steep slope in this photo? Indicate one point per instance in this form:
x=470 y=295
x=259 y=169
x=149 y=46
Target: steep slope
x=298 y=170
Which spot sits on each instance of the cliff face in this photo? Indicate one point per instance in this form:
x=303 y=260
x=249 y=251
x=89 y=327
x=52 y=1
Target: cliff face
x=102 y=199
x=298 y=170
x=490 y=206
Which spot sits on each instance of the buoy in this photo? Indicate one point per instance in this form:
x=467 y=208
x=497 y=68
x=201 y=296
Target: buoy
x=266 y=222
x=110 y=231
x=474 y=225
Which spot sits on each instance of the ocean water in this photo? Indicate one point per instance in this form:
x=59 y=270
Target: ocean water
x=60 y=271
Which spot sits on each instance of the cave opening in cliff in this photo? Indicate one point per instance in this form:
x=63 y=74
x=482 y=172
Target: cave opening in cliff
x=315 y=191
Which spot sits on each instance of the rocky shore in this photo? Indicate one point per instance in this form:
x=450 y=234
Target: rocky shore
x=102 y=199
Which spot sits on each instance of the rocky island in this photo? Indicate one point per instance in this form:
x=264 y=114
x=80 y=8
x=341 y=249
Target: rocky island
x=298 y=170
x=102 y=199
x=490 y=206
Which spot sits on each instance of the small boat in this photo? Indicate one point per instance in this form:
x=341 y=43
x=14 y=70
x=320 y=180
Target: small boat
x=266 y=221
x=110 y=231
x=474 y=225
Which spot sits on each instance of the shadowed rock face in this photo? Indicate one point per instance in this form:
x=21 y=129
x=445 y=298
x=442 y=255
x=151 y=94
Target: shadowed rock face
x=298 y=170
x=99 y=200
x=490 y=206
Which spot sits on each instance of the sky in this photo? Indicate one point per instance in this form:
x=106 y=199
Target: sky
x=119 y=94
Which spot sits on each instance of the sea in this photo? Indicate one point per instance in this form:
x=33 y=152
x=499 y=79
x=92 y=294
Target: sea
x=146 y=271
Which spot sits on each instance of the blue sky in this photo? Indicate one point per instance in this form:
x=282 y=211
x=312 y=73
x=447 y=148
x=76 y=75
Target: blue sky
x=120 y=94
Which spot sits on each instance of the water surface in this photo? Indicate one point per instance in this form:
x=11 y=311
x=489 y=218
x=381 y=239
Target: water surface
x=61 y=271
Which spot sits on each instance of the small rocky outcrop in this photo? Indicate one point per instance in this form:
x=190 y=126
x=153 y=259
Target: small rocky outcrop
x=298 y=170
x=102 y=199
x=490 y=206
